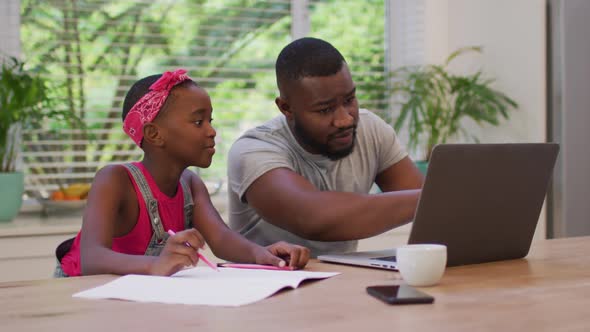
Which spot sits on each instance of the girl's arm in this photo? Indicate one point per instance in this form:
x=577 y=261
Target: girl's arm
x=112 y=211
x=230 y=245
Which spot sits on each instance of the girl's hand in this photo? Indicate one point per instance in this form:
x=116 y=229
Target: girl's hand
x=180 y=251
x=283 y=254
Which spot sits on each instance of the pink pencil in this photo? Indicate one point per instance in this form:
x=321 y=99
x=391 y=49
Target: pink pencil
x=211 y=265
x=255 y=266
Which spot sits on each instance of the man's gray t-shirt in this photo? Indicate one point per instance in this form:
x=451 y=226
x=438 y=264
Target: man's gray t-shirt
x=272 y=145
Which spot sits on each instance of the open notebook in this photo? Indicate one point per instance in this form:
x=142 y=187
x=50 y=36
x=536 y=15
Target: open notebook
x=480 y=200
x=202 y=285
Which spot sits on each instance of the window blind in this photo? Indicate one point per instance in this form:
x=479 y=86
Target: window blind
x=93 y=50
x=357 y=30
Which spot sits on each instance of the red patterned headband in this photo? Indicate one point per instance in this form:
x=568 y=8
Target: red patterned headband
x=146 y=109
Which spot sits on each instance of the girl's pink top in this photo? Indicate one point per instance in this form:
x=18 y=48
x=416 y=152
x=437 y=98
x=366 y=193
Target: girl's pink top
x=136 y=242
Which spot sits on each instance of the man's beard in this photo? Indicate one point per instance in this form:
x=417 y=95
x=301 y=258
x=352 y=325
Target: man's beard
x=324 y=149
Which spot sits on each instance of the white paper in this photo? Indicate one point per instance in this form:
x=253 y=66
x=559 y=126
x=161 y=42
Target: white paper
x=202 y=285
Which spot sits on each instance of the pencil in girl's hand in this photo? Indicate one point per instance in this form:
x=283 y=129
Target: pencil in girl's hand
x=211 y=265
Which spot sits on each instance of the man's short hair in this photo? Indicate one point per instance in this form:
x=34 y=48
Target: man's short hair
x=307 y=57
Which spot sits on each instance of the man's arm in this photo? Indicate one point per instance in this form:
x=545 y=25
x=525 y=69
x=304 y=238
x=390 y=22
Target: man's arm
x=286 y=199
x=402 y=175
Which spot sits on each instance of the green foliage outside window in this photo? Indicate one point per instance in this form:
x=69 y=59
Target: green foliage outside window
x=96 y=50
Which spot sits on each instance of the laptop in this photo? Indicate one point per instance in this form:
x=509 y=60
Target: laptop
x=480 y=200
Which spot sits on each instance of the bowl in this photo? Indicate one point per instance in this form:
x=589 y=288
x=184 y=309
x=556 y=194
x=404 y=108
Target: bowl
x=77 y=204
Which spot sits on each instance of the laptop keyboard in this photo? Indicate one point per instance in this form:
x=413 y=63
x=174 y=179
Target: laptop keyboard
x=386 y=258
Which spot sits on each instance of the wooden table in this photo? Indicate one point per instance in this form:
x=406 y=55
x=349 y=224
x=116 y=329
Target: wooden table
x=548 y=291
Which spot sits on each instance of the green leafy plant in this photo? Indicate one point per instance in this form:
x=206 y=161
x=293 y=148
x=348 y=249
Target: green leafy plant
x=435 y=101
x=25 y=102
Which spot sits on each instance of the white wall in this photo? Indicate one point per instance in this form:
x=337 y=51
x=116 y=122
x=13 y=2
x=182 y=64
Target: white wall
x=512 y=33
x=436 y=27
x=513 y=36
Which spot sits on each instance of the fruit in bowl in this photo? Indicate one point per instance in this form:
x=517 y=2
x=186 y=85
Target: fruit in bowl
x=68 y=198
x=73 y=192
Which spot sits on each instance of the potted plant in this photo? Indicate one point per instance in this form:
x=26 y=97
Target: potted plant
x=25 y=102
x=434 y=102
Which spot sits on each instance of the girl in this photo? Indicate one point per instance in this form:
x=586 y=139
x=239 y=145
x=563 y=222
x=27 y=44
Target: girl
x=131 y=207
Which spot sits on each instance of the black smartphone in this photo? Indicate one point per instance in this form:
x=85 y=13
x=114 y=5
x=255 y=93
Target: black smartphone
x=399 y=294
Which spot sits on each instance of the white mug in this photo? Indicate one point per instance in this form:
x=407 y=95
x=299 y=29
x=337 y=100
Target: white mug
x=422 y=264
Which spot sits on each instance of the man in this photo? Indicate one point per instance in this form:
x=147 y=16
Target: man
x=304 y=176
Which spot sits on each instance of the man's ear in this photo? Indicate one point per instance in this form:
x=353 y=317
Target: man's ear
x=152 y=135
x=283 y=106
